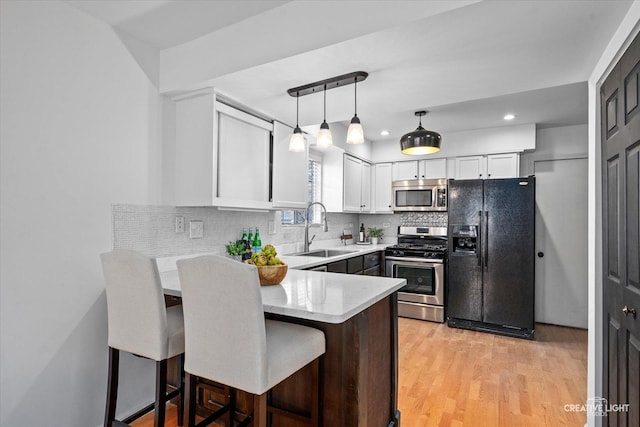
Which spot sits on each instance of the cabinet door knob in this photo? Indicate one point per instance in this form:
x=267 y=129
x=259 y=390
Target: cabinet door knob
x=540 y=254
x=627 y=310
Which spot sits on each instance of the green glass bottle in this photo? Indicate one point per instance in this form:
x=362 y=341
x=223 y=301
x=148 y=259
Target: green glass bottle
x=257 y=243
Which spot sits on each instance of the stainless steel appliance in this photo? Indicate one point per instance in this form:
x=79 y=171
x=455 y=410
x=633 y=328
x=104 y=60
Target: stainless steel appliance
x=419 y=195
x=420 y=258
x=490 y=282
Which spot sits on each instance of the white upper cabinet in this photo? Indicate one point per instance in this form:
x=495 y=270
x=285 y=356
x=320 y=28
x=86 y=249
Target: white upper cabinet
x=290 y=170
x=222 y=154
x=357 y=185
x=503 y=165
x=471 y=167
x=243 y=159
x=432 y=169
x=405 y=170
x=382 y=188
x=488 y=167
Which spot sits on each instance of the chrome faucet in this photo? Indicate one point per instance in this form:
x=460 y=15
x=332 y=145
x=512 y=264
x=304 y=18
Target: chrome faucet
x=325 y=227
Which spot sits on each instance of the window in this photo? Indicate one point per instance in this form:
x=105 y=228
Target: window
x=314 y=194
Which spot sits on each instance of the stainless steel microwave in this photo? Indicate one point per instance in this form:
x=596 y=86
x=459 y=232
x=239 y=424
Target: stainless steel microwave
x=419 y=195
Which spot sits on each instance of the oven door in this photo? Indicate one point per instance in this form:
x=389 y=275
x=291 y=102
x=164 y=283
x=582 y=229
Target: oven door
x=425 y=280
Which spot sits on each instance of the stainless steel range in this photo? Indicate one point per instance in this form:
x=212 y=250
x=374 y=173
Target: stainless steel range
x=420 y=258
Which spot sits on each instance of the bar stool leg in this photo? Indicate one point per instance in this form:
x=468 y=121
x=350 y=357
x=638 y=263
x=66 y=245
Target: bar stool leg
x=181 y=386
x=161 y=393
x=189 y=400
x=112 y=387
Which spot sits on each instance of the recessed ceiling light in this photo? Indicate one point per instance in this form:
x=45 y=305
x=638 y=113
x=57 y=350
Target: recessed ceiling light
x=384 y=133
x=509 y=116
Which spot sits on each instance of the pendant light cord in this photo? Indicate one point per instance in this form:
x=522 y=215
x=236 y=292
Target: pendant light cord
x=297 y=107
x=325 y=103
x=355 y=97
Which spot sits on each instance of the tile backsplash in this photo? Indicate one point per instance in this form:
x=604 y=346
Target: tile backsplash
x=430 y=219
x=152 y=229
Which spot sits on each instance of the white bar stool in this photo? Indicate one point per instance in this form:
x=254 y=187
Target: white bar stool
x=141 y=324
x=229 y=341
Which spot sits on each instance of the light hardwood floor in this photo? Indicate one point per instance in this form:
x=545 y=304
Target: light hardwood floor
x=456 y=377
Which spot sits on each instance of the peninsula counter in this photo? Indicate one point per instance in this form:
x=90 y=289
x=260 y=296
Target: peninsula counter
x=359 y=317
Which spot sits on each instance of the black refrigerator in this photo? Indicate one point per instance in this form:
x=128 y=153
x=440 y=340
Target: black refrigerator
x=491 y=270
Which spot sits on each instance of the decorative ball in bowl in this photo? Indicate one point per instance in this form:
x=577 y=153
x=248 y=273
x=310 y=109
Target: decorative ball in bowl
x=271 y=274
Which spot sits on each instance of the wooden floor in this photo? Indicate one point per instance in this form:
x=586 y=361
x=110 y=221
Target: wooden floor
x=456 y=377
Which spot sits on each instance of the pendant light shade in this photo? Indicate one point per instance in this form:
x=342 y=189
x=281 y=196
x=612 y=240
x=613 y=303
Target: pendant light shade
x=324 y=134
x=355 y=134
x=296 y=142
x=420 y=141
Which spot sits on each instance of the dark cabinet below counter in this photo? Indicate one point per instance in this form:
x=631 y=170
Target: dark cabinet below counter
x=369 y=265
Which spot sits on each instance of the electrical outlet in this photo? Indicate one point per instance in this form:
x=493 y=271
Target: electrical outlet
x=196 y=229
x=179 y=224
x=386 y=224
x=272 y=227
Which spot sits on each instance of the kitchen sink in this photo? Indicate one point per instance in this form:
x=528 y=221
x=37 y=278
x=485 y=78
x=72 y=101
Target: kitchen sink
x=325 y=253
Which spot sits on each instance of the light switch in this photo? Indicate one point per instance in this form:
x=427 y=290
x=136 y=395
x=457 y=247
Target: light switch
x=196 y=229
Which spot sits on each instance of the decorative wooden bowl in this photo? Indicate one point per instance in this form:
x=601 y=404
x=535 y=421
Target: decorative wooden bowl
x=271 y=274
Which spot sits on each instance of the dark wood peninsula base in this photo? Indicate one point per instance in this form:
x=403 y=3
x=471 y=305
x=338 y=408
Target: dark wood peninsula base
x=358 y=375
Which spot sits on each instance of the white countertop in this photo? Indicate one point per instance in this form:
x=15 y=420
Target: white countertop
x=314 y=295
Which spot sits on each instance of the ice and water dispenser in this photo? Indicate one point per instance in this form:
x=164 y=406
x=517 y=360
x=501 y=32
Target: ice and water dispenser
x=465 y=239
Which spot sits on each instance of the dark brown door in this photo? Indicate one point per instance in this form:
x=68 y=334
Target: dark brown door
x=621 y=243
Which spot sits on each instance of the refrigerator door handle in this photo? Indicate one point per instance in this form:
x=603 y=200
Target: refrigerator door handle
x=479 y=245
x=486 y=240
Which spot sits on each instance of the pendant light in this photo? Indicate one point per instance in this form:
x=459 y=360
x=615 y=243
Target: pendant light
x=355 y=134
x=296 y=142
x=324 y=134
x=420 y=141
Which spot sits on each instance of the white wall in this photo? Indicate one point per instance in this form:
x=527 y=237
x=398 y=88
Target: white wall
x=80 y=130
x=556 y=142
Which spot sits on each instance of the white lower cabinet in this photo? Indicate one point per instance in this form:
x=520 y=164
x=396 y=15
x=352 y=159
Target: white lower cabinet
x=492 y=166
x=382 y=188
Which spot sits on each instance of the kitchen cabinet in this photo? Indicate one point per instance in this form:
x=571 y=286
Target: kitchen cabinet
x=222 y=154
x=488 y=167
x=243 y=143
x=420 y=169
x=337 y=266
x=289 y=171
x=432 y=169
x=382 y=188
x=368 y=264
x=357 y=185
x=405 y=170
x=333 y=178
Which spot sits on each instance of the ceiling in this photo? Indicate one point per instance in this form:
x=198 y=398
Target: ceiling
x=467 y=62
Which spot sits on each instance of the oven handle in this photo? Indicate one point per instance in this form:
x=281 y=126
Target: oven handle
x=420 y=260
